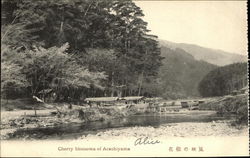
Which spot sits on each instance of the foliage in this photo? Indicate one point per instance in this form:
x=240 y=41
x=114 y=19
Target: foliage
x=242 y=115
x=12 y=80
x=18 y=37
x=47 y=69
x=55 y=69
x=237 y=105
x=103 y=35
x=224 y=80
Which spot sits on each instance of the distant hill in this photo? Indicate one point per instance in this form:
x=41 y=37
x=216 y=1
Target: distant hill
x=181 y=73
x=213 y=56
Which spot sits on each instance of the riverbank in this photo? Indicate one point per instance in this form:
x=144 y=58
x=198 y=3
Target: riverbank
x=185 y=129
x=60 y=120
x=12 y=121
x=237 y=104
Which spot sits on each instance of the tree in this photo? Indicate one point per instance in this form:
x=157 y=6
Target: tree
x=54 y=69
x=92 y=26
x=224 y=80
x=12 y=80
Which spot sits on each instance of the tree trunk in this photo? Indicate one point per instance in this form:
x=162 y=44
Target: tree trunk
x=119 y=93
x=34 y=109
x=140 y=84
x=130 y=92
x=112 y=84
x=142 y=76
x=43 y=90
x=61 y=27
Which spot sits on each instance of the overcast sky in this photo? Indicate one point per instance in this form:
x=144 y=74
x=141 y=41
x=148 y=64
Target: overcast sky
x=219 y=24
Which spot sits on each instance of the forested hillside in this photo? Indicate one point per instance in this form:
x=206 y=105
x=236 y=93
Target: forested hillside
x=224 y=80
x=75 y=49
x=181 y=73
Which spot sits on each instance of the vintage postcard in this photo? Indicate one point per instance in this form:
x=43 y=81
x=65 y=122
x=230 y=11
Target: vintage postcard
x=124 y=78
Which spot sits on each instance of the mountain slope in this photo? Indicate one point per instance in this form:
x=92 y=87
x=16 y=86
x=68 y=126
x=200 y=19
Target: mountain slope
x=181 y=73
x=216 y=57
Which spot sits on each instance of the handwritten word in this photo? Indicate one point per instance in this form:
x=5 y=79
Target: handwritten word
x=145 y=141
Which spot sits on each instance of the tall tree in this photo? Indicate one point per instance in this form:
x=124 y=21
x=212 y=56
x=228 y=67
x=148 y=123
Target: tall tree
x=88 y=25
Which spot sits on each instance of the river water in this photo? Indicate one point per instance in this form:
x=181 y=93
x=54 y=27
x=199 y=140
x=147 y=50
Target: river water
x=75 y=130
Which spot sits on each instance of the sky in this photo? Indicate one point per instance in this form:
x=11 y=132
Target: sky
x=218 y=24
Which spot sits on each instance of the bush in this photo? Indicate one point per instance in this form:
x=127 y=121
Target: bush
x=242 y=115
x=232 y=105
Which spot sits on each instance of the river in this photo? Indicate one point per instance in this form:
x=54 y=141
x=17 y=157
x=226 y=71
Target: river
x=76 y=130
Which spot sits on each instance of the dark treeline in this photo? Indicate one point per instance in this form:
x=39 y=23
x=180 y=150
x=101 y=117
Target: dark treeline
x=76 y=49
x=224 y=80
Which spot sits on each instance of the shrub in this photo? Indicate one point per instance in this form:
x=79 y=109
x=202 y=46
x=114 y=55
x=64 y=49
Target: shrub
x=232 y=105
x=242 y=115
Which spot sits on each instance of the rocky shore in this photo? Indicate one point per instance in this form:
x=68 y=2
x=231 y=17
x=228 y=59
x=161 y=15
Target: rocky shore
x=190 y=129
x=11 y=121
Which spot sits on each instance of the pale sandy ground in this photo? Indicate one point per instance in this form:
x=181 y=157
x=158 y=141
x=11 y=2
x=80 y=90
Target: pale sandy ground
x=216 y=129
x=10 y=115
x=7 y=115
x=216 y=138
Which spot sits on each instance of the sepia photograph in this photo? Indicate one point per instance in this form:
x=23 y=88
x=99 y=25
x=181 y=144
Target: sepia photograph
x=124 y=78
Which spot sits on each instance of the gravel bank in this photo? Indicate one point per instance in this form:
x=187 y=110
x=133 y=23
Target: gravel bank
x=215 y=129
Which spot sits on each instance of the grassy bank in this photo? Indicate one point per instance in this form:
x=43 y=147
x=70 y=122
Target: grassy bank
x=237 y=105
